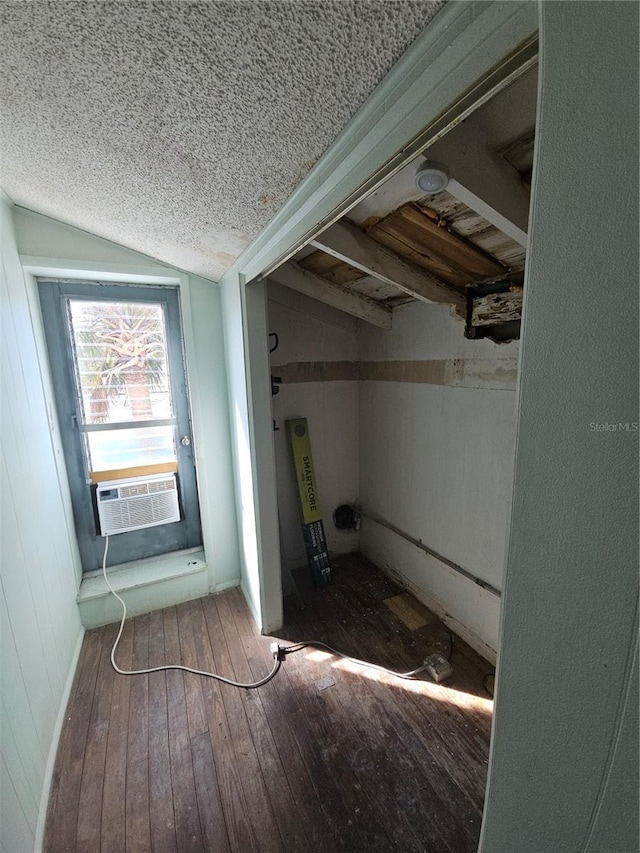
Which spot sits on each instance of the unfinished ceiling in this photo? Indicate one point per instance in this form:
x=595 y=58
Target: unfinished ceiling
x=464 y=246
x=179 y=128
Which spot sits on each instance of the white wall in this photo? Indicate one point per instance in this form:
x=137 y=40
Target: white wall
x=40 y=630
x=255 y=495
x=52 y=243
x=436 y=460
x=310 y=331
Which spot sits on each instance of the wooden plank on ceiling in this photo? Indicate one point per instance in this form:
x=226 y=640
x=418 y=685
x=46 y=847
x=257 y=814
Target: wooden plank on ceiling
x=477 y=230
x=293 y=276
x=333 y=269
x=347 y=242
x=412 y=233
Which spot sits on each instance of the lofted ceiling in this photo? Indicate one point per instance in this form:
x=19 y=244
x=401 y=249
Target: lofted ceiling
x=179 y=128
x=464 y=246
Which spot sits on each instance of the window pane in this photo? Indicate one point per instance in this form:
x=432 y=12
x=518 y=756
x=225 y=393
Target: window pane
x=121 y=362
x=127 y=448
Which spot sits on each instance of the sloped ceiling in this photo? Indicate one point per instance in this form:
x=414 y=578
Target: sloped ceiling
x=179 y=128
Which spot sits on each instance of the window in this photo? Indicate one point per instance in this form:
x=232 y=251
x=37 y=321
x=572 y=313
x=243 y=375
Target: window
x=116 y=358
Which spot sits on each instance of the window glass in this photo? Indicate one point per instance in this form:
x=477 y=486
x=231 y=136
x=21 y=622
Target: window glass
x=122 y=377
x=110 y=450
x=120 y=351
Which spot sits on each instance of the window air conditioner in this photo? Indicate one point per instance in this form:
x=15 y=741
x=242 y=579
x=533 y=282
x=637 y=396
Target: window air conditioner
x=136 y=503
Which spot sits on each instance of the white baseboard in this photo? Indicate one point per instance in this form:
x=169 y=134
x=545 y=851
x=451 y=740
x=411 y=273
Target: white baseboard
x=470 y=611
x=220 y=587
x=450 y=621
x=55 y=740
x=254 y=615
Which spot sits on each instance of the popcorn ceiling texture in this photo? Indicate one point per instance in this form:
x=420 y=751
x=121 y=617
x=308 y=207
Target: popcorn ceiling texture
x=179 y=128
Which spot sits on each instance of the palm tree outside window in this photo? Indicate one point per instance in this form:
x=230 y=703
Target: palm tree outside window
x=120 y=361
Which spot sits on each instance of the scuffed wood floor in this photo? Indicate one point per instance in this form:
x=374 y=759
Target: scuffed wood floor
x=325 y=757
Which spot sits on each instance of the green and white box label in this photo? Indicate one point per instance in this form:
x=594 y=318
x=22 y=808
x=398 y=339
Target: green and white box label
x=312 y=526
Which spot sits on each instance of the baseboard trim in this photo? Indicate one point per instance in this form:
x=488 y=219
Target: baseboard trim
x=220 y=587
x=55 y=741
x=450 y=621
x=254 y=615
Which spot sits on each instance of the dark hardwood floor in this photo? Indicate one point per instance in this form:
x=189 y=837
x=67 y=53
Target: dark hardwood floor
x=326 y=757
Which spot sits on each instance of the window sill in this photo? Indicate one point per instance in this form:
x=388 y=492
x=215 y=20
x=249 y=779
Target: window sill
x=146 y=585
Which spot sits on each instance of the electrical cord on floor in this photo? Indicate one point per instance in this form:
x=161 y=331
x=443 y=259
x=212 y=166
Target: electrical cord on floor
x=316 y=644
x=249 y=686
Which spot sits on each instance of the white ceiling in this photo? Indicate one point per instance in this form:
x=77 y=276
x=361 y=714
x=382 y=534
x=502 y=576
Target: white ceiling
x=179 y=128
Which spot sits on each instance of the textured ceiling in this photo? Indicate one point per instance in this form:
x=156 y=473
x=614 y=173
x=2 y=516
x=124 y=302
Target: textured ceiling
x=179 y=128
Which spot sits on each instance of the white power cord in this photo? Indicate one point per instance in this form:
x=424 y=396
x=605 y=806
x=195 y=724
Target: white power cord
x=316 y=644
x=276 y=665
x=279 y=652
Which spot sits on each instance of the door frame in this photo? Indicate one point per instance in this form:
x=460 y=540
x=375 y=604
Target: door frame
x=35 y=267
x=145 y=543
x=467 y=52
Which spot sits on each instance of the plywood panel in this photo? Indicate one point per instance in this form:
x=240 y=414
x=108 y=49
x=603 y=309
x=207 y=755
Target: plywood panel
x=474 y=228
x=412 y=233
x=408 y=610
x=331 y=268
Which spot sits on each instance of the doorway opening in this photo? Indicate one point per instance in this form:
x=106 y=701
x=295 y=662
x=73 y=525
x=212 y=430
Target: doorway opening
x=397 y=331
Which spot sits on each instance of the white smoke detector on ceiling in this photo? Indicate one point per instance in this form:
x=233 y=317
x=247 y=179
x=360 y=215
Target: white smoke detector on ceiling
x=432 y=177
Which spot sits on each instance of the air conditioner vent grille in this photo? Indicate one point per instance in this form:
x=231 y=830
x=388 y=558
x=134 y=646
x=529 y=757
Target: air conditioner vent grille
x=162 y=486
x=134 y=505
x=133 y=491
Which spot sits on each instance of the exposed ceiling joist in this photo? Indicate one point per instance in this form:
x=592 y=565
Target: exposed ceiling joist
x=294 y=277
x=346 y=242
x=485 y=184
x=487 y=211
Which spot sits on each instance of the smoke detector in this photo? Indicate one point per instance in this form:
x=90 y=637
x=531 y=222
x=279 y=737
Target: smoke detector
x=432 y=178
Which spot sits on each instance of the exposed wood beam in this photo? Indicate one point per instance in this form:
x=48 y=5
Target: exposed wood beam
x=346 y=242
x=294 y=277
x=483 y=182
x=497 y=308
x=487 y=211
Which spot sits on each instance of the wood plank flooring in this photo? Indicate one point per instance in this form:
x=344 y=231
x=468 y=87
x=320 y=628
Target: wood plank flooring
x=327 y=756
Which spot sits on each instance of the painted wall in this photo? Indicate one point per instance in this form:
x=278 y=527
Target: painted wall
x=40 y=630
x=436 y=460
x=310 y=331
x=257 y=360
x=248 y=367
x=52 y=242
x=564 y=766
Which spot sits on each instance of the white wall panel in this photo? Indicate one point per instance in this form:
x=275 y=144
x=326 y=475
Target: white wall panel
x=437 y=462
x=308 y=330
x=39 y=622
